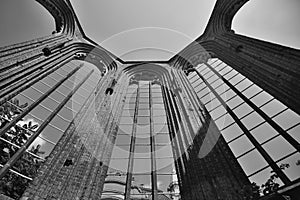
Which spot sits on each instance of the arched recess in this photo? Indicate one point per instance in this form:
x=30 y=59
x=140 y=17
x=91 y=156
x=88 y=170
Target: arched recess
x=23 y=20
x=270 y=20
x=144 y=102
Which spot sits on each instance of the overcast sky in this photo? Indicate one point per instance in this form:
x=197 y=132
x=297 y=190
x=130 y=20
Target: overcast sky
x=139 y=29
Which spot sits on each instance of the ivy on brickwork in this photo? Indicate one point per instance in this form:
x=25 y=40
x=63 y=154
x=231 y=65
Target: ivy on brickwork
x=12 y=184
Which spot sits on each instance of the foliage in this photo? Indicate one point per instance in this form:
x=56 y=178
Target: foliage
x=253 y=191
x=13 y=185
x=271 y=185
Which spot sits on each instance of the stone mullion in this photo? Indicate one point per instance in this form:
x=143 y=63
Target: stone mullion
x=101 y=149
x=196 y=118
x=98 y=181
x=192 y=165
x=197 y=145
x=197 y=104
x=154 y=192
x=176 y=114
x=176 y=136
x=178 y=105
x=132 y=148
x=176 y=154
x=285 y=91
x=185 y=105
x=186 y=128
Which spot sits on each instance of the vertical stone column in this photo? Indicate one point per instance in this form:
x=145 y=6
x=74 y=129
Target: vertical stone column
x=69 y=171
x=212 y=171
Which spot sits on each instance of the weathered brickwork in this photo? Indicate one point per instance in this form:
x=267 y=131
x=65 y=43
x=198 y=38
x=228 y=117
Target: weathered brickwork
x=87 y=144
x=209 y=169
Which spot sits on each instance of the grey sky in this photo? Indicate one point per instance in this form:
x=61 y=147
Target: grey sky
x=181 y=22
x=22 y=20
x=139 y=29
x=166 y=25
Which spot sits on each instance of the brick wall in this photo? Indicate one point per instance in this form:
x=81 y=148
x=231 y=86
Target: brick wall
x=86 y=145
